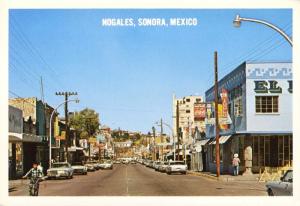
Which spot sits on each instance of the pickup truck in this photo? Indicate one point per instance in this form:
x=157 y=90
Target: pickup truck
x=176 y=167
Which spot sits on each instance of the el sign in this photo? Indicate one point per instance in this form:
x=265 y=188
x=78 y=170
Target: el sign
x=271 y=86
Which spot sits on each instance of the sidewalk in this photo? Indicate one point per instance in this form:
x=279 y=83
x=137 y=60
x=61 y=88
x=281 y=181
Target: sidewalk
x=226 y=177
x=14 y=184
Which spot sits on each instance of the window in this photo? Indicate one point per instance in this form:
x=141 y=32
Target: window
x=188 y=100
x=188 y=111
x=266 y=104
x=238 y=107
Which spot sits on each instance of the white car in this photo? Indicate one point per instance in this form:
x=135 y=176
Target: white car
x=284 y=187
x=163 y=166
x=90 y=167
x=106 y=165
x=176 y=167
x=79 y=168
x=156 y=165
x=60 y=169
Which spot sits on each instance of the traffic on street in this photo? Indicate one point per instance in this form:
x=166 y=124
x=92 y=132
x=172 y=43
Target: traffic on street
x=129 y=179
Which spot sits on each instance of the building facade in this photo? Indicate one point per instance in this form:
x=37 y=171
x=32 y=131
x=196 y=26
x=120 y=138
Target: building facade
x=33 y=138
x=260 y=107
x=188 y=119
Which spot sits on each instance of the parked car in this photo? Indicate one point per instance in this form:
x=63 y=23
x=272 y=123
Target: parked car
x=176 y=167
x=95 y=164
x=163 y=166
x=284 y=187
x=117 y=162
x=60 y=169
x=125 y=161
x=79 y=168
x=149 y=163
x=132 y=162
x=90 y=167
x=106 y=165
x=156 y=165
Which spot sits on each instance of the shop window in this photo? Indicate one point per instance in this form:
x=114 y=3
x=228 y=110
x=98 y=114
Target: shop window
x=266 y=104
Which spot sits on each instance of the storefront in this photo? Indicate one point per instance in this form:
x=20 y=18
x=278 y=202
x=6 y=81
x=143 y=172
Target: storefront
x=15 y=149
x=260 y=106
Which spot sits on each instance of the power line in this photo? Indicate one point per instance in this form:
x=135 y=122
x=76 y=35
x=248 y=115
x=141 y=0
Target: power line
x=24 y=99
x=32 y=48
x=253 y=51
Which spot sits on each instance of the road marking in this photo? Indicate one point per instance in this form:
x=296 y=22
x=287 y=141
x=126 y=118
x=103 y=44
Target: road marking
x=126 y=183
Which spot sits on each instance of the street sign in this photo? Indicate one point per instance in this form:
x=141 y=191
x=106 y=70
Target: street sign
x=92 y=140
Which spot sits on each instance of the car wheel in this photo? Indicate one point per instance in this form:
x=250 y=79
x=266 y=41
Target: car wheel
x=270 y=192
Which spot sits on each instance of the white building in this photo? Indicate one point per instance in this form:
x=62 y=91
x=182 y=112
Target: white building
x=188 y=116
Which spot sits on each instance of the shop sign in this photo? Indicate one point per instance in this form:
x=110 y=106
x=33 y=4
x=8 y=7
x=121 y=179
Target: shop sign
x=199 y=111
x=271 y=86
x=92 y=140
x=15 y=120
x=62 y=136
x=209 y=119
x=224 y=98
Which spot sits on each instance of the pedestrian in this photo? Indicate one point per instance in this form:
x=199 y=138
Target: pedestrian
x=235 y=163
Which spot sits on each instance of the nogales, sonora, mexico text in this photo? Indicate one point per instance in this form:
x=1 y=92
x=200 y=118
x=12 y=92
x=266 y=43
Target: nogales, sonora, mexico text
x=144 y=22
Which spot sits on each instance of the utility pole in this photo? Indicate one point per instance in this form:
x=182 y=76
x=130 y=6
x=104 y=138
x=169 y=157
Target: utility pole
x=177 y=127
x=66 y=94
x=217 y=115
x=45 y=114
x=154 y=144
x=161 y=138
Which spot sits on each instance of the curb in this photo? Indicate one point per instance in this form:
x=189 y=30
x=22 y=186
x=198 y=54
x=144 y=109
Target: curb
x=223 y=179
x=203 y=175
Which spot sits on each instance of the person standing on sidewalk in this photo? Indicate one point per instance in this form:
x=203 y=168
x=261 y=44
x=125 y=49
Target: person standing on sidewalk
x=235 y=163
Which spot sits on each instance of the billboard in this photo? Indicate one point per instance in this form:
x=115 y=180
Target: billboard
x=199 y=111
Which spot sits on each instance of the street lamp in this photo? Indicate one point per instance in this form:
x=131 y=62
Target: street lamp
x=172 y=136
x=238 y=21
x=50 y=132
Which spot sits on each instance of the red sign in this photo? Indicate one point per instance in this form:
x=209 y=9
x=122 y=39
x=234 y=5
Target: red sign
x=224 y=97
x=199 y=111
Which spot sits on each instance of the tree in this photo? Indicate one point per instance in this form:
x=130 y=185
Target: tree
x=86 y=123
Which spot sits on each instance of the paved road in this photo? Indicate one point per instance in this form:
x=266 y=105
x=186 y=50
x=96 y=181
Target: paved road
x=137 y=180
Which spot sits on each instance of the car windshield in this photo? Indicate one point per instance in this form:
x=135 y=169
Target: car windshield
x=176 y=163
x=56 y=165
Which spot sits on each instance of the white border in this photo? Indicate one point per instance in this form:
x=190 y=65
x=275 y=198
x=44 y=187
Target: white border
x=174 y=201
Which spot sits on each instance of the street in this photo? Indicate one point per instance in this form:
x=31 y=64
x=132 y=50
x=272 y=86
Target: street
x=138 y=180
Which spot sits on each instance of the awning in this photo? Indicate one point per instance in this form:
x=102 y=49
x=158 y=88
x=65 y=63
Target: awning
x=222 y=139
x=202 y=142
x=23 y=137
x=15 y=136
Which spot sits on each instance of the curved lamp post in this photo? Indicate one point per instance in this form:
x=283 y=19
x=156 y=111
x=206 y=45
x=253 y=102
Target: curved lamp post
x=172 y=136
x=238 y=20
x=50 y=132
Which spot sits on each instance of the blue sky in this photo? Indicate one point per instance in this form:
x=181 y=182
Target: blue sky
x=128 y=74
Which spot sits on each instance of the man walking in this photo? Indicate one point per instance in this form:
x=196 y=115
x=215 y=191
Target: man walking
x=235 y=163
